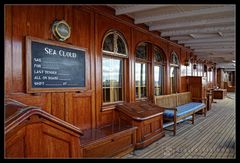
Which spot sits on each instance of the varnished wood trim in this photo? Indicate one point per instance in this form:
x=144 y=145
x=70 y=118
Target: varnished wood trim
x=29 y=111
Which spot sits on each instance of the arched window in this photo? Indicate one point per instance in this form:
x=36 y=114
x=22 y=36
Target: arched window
x=114 y=49
x=174 y=59
x=141 y=70
x=114 y=44
x=174 y=72
x=158 y=70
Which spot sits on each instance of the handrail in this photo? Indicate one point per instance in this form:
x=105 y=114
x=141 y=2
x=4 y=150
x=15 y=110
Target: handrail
x=24 y=112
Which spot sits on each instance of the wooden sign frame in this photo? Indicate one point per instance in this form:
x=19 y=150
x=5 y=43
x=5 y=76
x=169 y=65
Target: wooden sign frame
x=29 y=84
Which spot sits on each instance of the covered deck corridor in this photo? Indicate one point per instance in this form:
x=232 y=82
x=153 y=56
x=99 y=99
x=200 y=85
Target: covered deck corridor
x=213 y=136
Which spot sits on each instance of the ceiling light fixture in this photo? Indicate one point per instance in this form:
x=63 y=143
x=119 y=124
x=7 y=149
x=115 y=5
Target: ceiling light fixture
x=192 y=35
x=220 y=34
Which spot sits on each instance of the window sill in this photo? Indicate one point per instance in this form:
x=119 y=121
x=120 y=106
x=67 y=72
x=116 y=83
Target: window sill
x=142 y=99
x=110 y=106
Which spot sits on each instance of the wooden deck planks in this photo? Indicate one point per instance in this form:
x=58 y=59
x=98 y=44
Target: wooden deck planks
x=212 y=136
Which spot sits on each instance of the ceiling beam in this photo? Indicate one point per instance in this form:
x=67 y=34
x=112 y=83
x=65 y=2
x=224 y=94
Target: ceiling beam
x=211 y=55
x=206 y=40
x=201 y=36
x=215 y=50
x=206 y=11
x=198 y=30
x=216 y=56
x=136 y=8
x=188 y=24
x=181 y=38
x=210 y=44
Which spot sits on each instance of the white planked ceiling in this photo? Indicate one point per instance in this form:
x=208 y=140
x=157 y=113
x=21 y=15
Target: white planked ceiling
x=207 y=29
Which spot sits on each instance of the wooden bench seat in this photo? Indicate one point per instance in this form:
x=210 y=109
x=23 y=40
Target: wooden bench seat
x=178 y=107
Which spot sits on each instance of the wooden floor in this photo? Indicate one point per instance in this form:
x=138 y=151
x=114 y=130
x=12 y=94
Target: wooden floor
x=212 y=136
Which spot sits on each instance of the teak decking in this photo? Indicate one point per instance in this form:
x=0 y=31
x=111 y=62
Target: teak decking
x=212 y=136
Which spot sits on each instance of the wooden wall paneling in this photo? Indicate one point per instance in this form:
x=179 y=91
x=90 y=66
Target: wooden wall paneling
x=102 y=25
x=180 y=57
x=182 y=83
x=42 y=100
x=15 y=144
x=61 y=143
x=132 y=68
x=79 y=110
x=107 y=118
x=28 y=20
x=167 y=76
x=33 y=147
x=19 y=30
x=92 y=68
x=58 y=105
x=81 y=33
x=150 y=74
x=164 y=47
x=69 y=112
x=59 y=12
x=127 y=78
x=138 y=37
x=98 y=70
x=34 y=27
x=59 y=148
x=68 y=17
x=7 y=49
x=49 y=17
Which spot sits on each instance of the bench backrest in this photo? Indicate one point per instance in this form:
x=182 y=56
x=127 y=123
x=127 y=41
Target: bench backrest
x=173 y=100
x=184 y=98
x=168 y=101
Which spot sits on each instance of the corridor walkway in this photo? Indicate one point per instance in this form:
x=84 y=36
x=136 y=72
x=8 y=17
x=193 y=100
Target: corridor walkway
x=212 y=136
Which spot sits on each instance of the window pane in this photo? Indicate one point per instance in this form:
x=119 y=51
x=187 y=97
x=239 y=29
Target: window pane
x=108 y=43
x=158 y=55
x=189 y=69
x=211 y=76
x=174 y=59
x=173 y=79
x=120 y=46
x=112 y=80
x=194 y=72
x=158 y=80
x=140 y=80
x=141 y=52
x=183 y=70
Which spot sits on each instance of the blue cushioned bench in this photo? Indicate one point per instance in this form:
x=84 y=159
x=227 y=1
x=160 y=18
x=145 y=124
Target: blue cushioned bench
x=179 y=107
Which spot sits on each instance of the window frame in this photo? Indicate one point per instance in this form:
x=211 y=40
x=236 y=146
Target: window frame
x=159 y=64
x=122 y=78
x=114 y=55
x=143 y=61
x=177 y=66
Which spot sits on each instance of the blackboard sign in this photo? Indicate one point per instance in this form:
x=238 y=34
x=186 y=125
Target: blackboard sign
x=53 y=66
